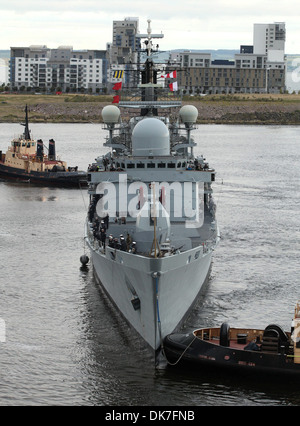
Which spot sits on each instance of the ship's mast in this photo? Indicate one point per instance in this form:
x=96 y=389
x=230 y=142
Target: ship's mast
x=149 y=73
x=26 y=125
x=149 y=42
x=151 y=95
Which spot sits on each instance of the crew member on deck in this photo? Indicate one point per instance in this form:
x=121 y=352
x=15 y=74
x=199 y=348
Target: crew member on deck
x=103 y=237
x=111 y=241
x=254 y=345
x=123 y=243
x=133 y=248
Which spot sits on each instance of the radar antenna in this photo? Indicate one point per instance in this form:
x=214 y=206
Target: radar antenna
x=149 y=36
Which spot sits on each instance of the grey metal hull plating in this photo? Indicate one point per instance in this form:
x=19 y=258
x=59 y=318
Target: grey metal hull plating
x=164 y=288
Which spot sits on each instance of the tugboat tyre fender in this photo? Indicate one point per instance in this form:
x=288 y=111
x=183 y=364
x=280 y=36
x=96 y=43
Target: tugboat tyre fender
x=224 y=334
x=282 y=335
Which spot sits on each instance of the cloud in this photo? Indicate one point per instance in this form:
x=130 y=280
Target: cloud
x=192 y=24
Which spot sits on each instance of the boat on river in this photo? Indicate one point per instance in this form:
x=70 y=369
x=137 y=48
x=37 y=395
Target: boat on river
x=271 y=350
x=26 y=161
x=151 y=226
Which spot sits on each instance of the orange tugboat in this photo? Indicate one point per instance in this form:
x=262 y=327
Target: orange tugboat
x=25 y=160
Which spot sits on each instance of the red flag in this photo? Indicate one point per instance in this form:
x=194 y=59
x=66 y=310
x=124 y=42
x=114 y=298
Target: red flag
x=116 y=100
x=117 y=86
x=173 y=86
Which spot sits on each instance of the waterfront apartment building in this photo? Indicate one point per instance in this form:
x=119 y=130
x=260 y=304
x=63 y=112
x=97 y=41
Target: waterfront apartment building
x=123 y=52
x=258 y=68
x=125 y=43
x=63 y=69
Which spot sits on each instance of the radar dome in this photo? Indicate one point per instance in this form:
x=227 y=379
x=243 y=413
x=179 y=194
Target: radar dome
x=150 y=137
x=188 y=114
x=111 y=114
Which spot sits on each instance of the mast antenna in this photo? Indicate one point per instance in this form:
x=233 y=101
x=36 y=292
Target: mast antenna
x=26 y=125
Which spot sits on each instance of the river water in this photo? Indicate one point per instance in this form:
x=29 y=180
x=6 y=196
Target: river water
x=62 y=343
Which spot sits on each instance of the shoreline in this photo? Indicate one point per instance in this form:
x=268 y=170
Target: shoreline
x=213 y=109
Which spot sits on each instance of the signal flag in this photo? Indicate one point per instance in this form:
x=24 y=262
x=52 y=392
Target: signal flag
x=117 y=86
x=116 y=99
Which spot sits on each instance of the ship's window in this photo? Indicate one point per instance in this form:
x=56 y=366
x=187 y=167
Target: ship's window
x=151 y=165
x=130 y=166
x=123 y=165
x=171 y=165
x=179 y=164
x=161 y=165
x=140 y=165
x=184 y=164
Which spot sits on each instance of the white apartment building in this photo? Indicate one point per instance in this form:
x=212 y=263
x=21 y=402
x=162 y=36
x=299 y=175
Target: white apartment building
x=269 y=39
x=62 y=68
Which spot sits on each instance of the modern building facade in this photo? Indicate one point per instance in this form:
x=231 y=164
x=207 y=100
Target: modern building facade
x=258 y=68
x=64 y=69
x=123 y=52
x=125 y=43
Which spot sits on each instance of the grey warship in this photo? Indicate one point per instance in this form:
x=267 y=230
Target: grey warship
x=151 y=227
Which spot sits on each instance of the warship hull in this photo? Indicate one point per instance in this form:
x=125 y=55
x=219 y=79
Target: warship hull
x=154 y=295
x=63 y=179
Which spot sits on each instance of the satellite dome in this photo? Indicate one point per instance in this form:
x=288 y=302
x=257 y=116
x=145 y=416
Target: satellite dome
x=188 y=114
x=111 y=114
x=150 y=137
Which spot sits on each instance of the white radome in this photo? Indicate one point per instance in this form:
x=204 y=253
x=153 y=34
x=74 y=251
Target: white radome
x=111 y=114
x=150 y=137
x=188 y=114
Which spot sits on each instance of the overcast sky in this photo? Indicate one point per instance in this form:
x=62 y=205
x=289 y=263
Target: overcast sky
x=190 y=24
